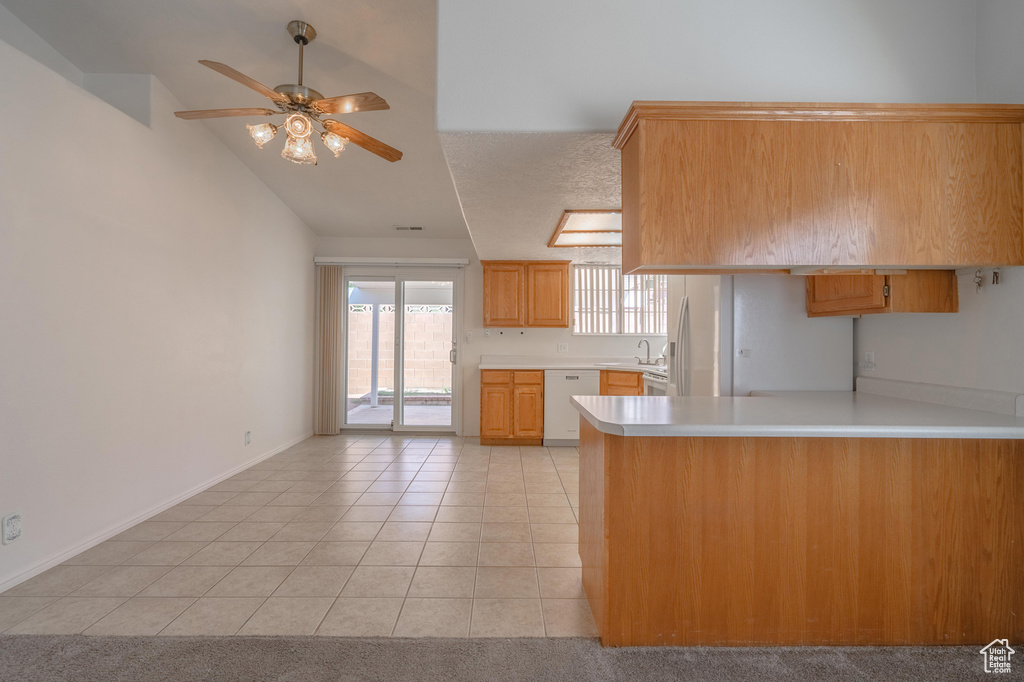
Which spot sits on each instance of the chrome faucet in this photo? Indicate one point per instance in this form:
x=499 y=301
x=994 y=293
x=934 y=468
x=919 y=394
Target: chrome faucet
x=648 y=360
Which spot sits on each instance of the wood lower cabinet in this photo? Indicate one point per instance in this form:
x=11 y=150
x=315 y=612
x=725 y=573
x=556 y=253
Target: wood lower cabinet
x=918 y=291
x=731 y=541
x=511 y=407
x=496 y=407
x=526 y=293
x=615 y=382
x=753 y=185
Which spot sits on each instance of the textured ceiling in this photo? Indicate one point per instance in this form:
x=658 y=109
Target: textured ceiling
x=387 y=46
x=514 y=187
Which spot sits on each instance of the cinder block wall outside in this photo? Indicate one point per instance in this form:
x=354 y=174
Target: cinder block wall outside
x=428 y=339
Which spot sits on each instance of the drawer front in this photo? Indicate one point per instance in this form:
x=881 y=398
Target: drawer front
x=528 y=377
x=495 y=376
x=624 y=379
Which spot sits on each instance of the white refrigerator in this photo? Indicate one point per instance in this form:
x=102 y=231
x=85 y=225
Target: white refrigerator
x=751 y=333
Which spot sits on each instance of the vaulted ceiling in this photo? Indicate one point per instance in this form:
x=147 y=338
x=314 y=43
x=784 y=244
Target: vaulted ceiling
x=384 y=46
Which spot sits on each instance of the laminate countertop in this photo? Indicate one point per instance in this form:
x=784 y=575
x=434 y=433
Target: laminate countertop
x=808 y=414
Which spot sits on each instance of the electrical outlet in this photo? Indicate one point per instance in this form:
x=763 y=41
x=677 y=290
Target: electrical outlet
x=469 y=336
x=11 y=527
x=563 y=348
x=487 y=333
x=868 y=363
x=248 y=437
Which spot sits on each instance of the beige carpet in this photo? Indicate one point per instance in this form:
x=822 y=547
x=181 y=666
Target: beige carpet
x=311 y=659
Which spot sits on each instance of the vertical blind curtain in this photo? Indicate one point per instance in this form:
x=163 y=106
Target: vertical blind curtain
x=329 y=295
x=606 y=302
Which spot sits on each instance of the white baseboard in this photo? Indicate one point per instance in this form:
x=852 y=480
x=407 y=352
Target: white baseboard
x=62 y=556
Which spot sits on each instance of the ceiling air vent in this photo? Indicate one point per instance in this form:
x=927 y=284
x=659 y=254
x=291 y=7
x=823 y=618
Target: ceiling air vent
x=408 y=228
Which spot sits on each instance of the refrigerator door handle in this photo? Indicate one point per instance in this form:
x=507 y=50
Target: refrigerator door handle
x=682 y=372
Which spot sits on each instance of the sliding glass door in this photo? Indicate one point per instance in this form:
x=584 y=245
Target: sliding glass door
x=370 y=353
x=427 y=336
x=400 y=351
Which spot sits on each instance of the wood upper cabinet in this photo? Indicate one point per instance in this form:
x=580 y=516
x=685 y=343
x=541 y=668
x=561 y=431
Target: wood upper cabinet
x=737 y=186
x=511 y=407
x=616 y=382
x=504 y=294
x=526 y=293
x=917 y=291
x=547 y=294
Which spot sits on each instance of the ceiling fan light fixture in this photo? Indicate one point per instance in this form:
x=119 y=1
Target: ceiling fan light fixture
x=262 y=133
x=335 y=142
x=299 y=150
x=303 y=106
x=298 y=125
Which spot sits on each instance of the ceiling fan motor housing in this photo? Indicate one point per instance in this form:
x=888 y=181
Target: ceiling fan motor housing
x=299 y=94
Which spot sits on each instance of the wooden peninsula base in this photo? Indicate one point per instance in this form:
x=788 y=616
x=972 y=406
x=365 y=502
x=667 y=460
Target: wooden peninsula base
x=802 y=541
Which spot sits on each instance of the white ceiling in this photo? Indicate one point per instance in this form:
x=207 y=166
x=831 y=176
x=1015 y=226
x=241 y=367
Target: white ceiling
x=386 y=46
x=514 y=187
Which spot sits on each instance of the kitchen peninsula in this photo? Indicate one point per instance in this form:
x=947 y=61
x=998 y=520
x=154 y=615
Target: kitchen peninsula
x=800 y=519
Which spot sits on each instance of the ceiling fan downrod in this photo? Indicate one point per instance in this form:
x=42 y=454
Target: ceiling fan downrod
x=303 y=34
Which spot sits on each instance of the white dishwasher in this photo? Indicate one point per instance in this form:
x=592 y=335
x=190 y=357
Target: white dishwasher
x=561 y=420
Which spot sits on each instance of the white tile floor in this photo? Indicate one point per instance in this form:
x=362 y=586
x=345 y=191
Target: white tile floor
x=343 y=535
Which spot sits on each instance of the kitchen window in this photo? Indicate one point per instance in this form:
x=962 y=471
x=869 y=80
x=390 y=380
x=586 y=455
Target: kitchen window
x=607 y=302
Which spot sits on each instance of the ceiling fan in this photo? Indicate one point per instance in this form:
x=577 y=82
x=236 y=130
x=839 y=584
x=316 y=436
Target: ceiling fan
x=303 y=106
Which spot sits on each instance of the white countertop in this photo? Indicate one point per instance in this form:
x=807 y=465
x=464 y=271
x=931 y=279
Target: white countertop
x=557 y=362
x=788 y=414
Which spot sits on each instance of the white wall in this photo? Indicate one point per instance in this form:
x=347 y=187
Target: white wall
x=536 y=342
x=789 y=351
x=1000 y=51
x=156 y=302
x=538 y=65
x=980 y=346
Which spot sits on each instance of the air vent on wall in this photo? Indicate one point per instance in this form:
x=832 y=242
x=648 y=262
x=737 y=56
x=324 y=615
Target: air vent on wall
x=407 y=228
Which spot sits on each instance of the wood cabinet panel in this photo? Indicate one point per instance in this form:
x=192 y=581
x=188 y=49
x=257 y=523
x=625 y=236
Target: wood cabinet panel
x=547 y=294
x=528 y=411
x=504 y=294
x=815 y=185
x=924 y=291
x=917 y=291
x=615 y=382
x=801 y=541
x=528 y=376
x=495 y=411
x=495 y=376
x=843 y=293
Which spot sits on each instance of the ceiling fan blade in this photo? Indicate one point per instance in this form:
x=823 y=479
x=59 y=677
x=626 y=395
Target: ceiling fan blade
x=240 y=77
x=368 y=143
x=363 y=101
x=222 y=113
